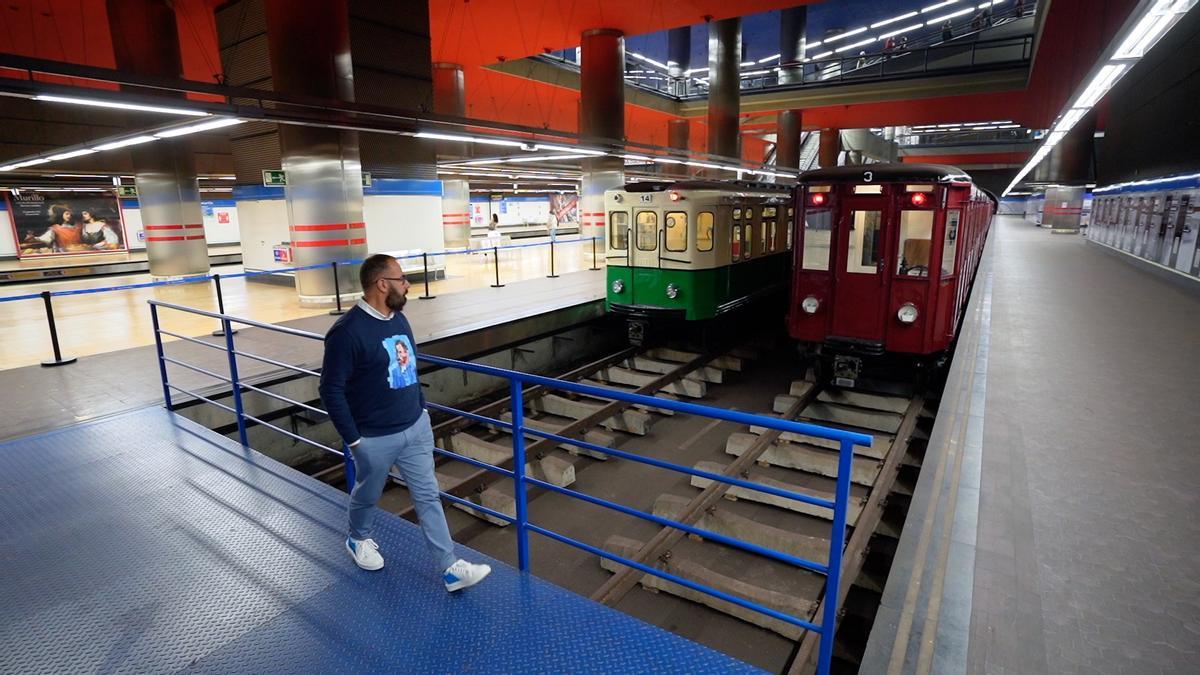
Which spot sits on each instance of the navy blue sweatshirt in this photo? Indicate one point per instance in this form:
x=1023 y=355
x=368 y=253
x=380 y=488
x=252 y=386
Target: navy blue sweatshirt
x=369 y=377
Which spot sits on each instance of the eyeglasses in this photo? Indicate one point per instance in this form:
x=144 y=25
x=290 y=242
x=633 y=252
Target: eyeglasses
x=395 y=278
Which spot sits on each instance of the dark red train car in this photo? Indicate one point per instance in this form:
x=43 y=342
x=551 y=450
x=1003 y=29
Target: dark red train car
x=883 y=264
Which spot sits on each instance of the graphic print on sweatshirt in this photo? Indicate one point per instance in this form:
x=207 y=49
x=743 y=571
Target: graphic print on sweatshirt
x=402 y=361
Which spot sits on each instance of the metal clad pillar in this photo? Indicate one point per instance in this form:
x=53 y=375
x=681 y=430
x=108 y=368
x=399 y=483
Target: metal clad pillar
x=602 y=118
x=1063 y=208
x=310 y=54
x=793 y=23
x=145 y=41
x=450 y=98
x=679 y=59
x=830 y=148
x=724 y=57
x=787 y=140
x=678 y=138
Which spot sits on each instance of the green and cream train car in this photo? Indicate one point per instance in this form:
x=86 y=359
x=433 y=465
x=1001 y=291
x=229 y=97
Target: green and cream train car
x=695 y=250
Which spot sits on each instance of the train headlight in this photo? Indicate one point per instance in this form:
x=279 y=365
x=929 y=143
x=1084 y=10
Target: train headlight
x=907 y=313
x=672 y=291
x=810 y=305
x=618 y=286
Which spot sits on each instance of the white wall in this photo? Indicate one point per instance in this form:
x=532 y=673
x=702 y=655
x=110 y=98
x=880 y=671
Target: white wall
x=8 y=245
x=396 y=222
x=263 y=225
x=217 y=232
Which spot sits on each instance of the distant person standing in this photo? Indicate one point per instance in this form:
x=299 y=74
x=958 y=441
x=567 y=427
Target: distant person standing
x=1019 y=9
x=370 y=388
x=947 y=31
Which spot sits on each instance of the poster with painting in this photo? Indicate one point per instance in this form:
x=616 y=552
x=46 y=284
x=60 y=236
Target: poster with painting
x=66 y=223
x=565 y=210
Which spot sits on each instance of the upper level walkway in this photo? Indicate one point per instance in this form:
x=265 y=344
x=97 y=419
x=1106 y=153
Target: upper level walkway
x=1054 y=528
x=146 y=543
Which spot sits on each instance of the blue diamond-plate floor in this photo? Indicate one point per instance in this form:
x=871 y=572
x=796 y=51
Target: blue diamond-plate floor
x=146 y=543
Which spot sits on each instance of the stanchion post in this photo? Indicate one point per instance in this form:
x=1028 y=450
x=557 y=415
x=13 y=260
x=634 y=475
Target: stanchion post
x=220 y=307
x=496 y=260
x=58 y=359
x=425 y=264
x=337 y=292
x=552 y=275
x=594 y=267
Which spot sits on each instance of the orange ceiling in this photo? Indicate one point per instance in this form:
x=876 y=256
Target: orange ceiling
x=481 y=32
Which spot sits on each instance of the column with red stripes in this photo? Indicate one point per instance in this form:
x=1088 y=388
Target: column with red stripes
x=309 y=44
x=456 y=213
x=145 y=40
x=169 y=199
x=602 y=121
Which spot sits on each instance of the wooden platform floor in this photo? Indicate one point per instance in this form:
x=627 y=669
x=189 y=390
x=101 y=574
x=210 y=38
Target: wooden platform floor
x=98 y=323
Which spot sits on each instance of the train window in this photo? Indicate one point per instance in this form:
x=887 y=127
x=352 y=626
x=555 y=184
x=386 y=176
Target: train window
x=677 y=226
x=916 y=242
x=618 y=230
x=737 y=214
x=771 y=237
x=704 y=231
x=951 y=243
x=647 y=230
x=868 y=189
x=818 y=226
x=791 y=218
x=865 y=247
x=748 y=242
x=735 y=244
x=749 y=213
x=769 y=211
x=918 y=188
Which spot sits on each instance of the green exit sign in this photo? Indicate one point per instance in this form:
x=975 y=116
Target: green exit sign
x=274 y=178
x=278 y=178
x=126 y=190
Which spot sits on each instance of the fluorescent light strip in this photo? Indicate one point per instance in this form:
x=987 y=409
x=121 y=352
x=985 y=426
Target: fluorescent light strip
x=1100 y=85
x=938 y=6
x=847 y=34
x=71 y=154
x=906 y=29
x=468 y=139
x=20 y=165
x=570 y=148
x=1146 y=33
x=136 y=140
x=120 y=106
x=894 y=19
x=823 y=55
x=1069 y=120
x=196 y=128
x=855 y=44
x=746 y=64
x=951 y=16
x=769 y=58
x=751 y=73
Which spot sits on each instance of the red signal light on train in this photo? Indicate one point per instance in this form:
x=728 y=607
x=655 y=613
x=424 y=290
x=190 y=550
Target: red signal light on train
x=919 y=199
x=818 y=199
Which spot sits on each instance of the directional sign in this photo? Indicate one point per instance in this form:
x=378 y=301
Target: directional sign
x=274 y=178
x=366 y=179
x=127 y=191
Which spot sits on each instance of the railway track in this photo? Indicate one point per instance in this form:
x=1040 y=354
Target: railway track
x=803 y=464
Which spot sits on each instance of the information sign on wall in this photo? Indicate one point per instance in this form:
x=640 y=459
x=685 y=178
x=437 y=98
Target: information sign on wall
x=283 y=254
x=274 y=178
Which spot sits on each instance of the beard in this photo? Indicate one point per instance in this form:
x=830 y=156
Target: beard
x=395 y=300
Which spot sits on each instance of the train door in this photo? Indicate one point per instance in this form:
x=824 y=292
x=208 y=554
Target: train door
x=860 y=274
x=644 y=253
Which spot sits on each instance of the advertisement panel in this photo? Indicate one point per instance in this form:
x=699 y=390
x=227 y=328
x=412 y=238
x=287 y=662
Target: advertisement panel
x=66 y=223
x=565 y=209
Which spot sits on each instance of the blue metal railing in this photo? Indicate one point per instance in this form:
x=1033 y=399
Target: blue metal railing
x=839 y=505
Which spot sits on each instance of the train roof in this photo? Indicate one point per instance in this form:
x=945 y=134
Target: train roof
x=655 y=186
x=887 y=173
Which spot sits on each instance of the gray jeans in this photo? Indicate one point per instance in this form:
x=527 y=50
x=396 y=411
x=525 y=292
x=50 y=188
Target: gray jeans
x=411 y=451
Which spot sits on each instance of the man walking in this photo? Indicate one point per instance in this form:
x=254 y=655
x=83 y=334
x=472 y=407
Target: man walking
x=370 y=388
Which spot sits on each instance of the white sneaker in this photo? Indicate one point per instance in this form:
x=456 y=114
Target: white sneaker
x=463 y=574
x=365 y=553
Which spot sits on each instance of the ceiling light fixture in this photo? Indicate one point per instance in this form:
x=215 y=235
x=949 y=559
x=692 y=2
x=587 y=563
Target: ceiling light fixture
x=98 y=103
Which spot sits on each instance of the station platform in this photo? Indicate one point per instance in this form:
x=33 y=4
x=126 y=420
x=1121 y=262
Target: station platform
x=454 y=325
x=1054 y=528
x=15 y=271
x=146 y=543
